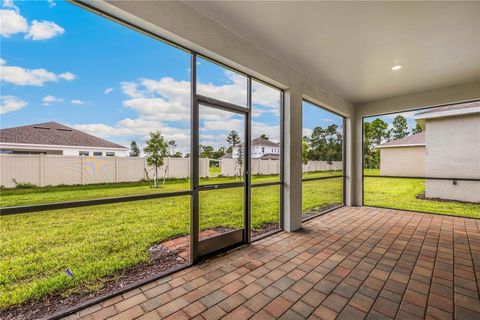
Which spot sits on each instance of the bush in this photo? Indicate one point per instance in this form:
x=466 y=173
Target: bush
x=23 y=185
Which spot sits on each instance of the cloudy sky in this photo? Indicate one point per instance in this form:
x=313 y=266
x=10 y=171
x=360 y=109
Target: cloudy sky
x=314 y=116
x=62 y=63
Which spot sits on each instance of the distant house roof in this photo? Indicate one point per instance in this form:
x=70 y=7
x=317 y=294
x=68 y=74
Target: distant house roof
x=408 y=141
x=264 y=142
x=450 y=110
x=53 y=133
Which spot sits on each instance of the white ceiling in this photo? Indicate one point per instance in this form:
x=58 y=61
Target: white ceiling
x=351 y=46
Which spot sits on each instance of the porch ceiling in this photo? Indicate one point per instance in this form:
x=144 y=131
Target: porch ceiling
x=351 y=47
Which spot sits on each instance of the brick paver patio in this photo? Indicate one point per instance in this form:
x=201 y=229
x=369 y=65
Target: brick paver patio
x=352 y=263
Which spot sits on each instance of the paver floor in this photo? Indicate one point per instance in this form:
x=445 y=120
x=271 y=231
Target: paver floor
x=351 y=263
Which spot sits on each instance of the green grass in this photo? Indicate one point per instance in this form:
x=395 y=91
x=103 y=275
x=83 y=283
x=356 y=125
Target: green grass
x=214 y=171
x=18 y=197
x=97 y=241
x=401 y=194
x=320 y=193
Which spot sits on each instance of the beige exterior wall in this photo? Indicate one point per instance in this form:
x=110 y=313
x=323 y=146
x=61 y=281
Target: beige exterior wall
x=403 y=161
x=453 y=151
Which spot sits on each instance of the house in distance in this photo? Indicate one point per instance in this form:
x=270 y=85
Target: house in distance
x=449 y=147
x=53 y=138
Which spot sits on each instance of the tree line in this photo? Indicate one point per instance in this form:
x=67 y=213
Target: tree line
x=377 y=132
x=323 y=145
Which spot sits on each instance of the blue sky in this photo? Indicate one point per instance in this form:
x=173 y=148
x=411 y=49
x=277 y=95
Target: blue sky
x=62 y=63
x=390 y=117
x=314 y=116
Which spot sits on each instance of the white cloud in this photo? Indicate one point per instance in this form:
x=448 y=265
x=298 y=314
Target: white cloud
x=30 y=77
x=67 y=76
x=77 y=101
x=108 y=90
x=43 y=30
x=51 y=3
x=49 y=99
x=12 y=22
x=11 y=103
x=8 y=4
x=164 y=105
x=307 y=132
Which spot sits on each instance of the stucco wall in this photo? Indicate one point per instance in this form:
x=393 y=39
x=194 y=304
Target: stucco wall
x=402 y=161
x=453 y=151
x=407 y=102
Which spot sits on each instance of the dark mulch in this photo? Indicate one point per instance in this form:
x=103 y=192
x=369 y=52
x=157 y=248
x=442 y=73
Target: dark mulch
x=421 y=196
x=315 y=211
x=161 y=260
x=266 y=228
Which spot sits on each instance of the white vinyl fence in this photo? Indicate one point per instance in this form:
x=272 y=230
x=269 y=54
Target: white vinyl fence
x=44 y=170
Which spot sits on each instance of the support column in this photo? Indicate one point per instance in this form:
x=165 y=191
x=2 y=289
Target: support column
x=292 y=161
x=356 y=191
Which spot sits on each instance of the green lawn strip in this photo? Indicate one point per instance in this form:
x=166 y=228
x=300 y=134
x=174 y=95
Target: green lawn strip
x=36 y=248
x=320 y=193
x=401 y=194
x=18 y=197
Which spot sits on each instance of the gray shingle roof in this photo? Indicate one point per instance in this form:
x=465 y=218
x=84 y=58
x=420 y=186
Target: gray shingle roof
x=418 y=138
x=467 y=105
x=264 y=142
x=53 y=133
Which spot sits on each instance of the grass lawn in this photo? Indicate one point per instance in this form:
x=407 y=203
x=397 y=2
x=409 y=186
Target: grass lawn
x=214 y=171
x=401 y=194
x=96 y=241
x=18 y=197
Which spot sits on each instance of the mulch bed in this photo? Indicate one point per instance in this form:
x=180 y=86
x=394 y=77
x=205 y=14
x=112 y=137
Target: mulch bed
x=161 y=260
x=315 y=211
x=266 y=228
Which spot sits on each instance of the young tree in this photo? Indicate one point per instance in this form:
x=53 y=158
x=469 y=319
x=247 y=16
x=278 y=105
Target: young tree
x=305 y=150
x=418 y=128
x=233 y=140
x=400 y=127
x=240 y=156
x=172 y=145
x=264 y=136
x=156 y=150
x=134 y=150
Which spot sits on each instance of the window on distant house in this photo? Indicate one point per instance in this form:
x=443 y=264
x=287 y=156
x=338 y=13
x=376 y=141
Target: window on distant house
x=110 y=154
x=97 y=153
x=83 y=153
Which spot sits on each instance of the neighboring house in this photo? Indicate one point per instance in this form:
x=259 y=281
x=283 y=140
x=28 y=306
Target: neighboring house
x=448 y=148
x=403 y=157
x=57 y=139
x=261 y=149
